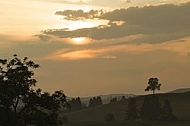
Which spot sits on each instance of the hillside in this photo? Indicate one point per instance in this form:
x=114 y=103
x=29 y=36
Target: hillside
x=180 y=103
x=180 y=90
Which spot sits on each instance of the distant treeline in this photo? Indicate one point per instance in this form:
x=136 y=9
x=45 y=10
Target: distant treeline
x=76 y=103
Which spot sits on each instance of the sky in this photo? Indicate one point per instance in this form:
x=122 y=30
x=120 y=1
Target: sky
x=97 y=47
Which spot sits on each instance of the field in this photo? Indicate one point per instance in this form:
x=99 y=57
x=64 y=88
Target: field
x=184 y=123
x=94 y=116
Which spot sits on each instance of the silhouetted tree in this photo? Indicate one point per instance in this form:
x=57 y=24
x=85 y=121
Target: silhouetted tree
x=99 y=101
x=76 y=104
x=153 y=85
x=95 y=101
x=16 y=87
x=16 y=80
x=90 y=103
x=151 y=108
x=113 y=100
x=132 y=112
x=167 y=114
x=123 y=98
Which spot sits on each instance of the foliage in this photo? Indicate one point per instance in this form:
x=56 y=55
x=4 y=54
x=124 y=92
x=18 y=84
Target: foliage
x=167 y=114
x=153 y=85
x=16 y=80
x=136 y=123
x=95 y=101
x=20 y=104
x=113 y=100
x=109 y=118
x=132 y=112
x=151 y=108
x=123 y=98
x=76 y=104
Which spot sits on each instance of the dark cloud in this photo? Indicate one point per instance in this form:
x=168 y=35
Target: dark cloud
x=163 y=18
x=43 y=38
x=79 y=14
x=166 y=21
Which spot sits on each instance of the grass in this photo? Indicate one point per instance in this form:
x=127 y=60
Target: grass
x=180 y=103
x=186 y=123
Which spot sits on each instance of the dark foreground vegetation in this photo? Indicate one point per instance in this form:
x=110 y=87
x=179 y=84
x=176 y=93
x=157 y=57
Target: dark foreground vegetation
x=179 y=123
x=20 y=103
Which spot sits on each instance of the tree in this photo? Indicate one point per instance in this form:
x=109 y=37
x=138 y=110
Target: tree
x=153 y=85
x=123 y=98
x=151 y=108
x=99 y=101
x=20 y=104
x=113 y=100
x=41 y=108
x=16 y=80
x=90 y=103
x=95 y=101
x=167 y=114
x=132 y=112
x=76 y=104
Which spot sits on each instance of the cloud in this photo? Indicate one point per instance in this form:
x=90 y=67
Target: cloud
x=79 y=14
x=180 y=47
x=185 y=1
x=127 y=1
x=109 y=57
x=94 y=3
x=79 y=1
x=68 y=1
x=73 y=54
x=158 y=23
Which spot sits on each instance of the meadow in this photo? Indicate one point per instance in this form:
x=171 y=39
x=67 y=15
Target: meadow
x=94 y=116
x=177 y=123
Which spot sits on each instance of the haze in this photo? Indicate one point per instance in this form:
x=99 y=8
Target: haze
x=95 y=47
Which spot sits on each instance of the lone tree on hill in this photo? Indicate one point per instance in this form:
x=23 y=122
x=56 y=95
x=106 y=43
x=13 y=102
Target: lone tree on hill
x=153 y=85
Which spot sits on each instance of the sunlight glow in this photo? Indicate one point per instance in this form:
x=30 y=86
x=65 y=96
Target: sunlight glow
x=80 y=41
x=73 y=25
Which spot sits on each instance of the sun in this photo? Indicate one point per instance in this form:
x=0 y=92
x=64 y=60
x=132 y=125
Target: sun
x=80 y=40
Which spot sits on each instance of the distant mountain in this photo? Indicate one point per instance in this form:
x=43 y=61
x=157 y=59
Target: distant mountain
x=105 y=98
x=180 y=90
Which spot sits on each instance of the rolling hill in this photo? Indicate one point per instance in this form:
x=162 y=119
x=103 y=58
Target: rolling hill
x=180 y=103
x=180 y=90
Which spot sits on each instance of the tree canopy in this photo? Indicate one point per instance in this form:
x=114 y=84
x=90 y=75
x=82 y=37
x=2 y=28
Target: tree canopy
x=20 y=104
x=153 y=85
x=132 y=112
x=151 y=108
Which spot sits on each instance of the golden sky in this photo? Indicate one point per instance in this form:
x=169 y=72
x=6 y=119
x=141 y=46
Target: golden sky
x=95 y=47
